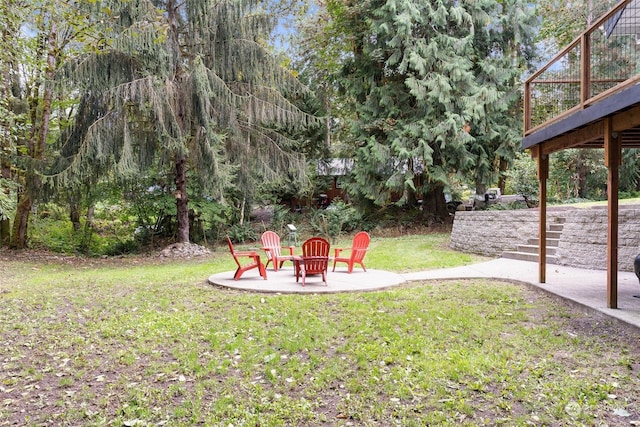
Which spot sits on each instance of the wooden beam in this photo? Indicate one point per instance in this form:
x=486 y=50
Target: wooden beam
x=581 y=136
x=543 y=175
x=627 y=119
x=612 y=158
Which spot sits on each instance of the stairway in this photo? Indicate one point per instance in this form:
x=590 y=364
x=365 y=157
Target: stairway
x=529 y=251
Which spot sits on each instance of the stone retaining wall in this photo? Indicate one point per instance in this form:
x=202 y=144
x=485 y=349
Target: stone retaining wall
x=583 y=242
x=584 y=238
x=493 y=232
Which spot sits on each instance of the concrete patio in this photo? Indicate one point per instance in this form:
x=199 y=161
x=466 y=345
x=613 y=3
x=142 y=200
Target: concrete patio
x=586 y=288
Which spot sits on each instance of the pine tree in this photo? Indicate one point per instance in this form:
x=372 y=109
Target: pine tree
x=184 y=85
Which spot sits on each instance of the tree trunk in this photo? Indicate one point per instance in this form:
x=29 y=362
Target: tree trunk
x=327 y=120
x=503 y=166
x=36 y=144
x=5 y=224
x=242 y=206
x=480 y=200
x=19 y=234
x=5 y=232
x=74 y=214
x=435 y=204
x=181 y=200
x=90 y=214
x=5 y=166
x=581 y=176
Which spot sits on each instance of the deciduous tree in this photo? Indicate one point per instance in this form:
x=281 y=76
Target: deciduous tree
x=37 y=38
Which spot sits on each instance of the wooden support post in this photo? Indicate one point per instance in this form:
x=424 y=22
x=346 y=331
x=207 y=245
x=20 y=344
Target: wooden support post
x=585 y=68
x=527 y=107
x=612 y=159
x=543 y=175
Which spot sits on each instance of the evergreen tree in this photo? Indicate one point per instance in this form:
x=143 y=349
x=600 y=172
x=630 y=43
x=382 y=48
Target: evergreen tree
x=503 y=50
x=186 y=86
x=434 y=86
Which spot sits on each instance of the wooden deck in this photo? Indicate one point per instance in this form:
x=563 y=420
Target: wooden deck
x=593 y=79
x=588 y=96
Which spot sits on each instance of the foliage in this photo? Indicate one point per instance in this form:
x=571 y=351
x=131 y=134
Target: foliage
x=37 y=38
x=413 y=76
x=7 y=199
x=281 y=217
x=190 y=91
x=151 y=204
x=502 y=51
x=629 y=195
x=109 y=234
x=523 y=178
x=337 y=218
x=212 y=218
x=319 y=49
x=54 y=234
x=576 y=173
x=240 y=233
x=507 y=206
x=562 y=22
x=630 y=170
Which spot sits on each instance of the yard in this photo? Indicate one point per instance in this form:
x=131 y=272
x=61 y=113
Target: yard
x=141 y=342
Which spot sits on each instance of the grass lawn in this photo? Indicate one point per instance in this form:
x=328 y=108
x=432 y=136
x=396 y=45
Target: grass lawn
x=146 y=343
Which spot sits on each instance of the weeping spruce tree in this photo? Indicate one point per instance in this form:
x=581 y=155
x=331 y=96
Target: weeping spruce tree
x=429 y=92
x=186 y=87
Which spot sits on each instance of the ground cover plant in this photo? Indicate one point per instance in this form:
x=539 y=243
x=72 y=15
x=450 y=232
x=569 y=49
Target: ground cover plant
x=141 y=342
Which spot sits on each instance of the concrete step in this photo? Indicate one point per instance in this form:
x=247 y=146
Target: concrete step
x=554 y=234
x=556 y=227
x=534 y=249
x=550 y=242
x=529 y=251
x=524 y=256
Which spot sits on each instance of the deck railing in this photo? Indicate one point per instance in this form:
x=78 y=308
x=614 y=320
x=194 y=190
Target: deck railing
x=603 y=60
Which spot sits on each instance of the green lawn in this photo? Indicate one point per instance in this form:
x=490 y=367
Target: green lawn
x=133 y=342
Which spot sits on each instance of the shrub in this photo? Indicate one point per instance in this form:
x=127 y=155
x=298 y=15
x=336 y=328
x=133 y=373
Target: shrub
x=240 y=233
x=281 y=217
x=523 y=178
x=338 y=217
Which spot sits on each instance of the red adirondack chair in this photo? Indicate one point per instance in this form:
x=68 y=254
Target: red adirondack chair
x=314 y=259
x=271 y=245
x=255 y=261
x=358 y=250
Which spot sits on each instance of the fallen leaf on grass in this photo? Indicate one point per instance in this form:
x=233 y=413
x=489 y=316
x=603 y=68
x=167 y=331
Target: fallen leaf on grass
x=621 y=412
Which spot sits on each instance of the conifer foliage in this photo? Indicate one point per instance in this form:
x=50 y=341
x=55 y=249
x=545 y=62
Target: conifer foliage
x=182 y=86
x=435 y=86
